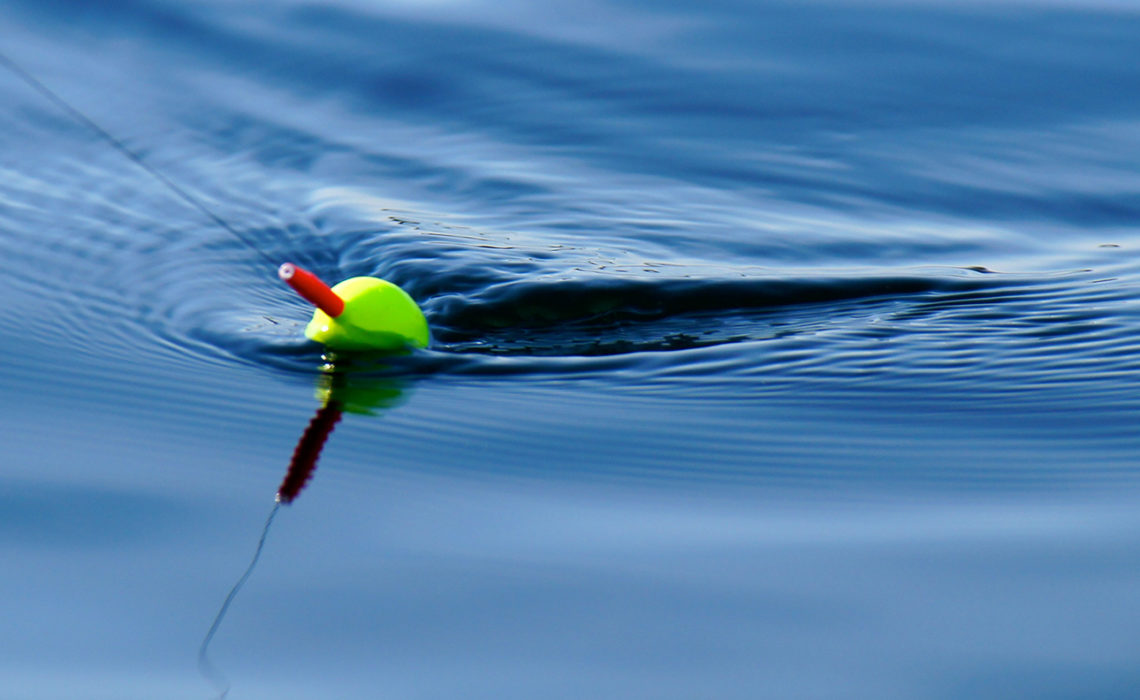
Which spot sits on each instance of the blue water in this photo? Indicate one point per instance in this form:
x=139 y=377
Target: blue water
x=780 y=350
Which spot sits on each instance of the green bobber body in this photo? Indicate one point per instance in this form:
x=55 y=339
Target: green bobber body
x=361 y=313
x=377 y=315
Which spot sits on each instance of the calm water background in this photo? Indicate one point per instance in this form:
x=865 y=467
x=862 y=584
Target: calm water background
x=781 y=349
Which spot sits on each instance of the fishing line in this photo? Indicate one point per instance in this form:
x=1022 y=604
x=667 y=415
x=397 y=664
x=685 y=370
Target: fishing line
x=122 y=148
x=208 y=669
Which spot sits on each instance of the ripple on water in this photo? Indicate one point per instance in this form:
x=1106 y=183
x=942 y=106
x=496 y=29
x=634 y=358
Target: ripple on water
x=506 y=303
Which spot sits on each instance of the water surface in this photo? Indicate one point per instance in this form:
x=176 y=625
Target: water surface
x=780 y=350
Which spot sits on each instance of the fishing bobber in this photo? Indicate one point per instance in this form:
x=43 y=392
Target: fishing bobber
x=361 y=313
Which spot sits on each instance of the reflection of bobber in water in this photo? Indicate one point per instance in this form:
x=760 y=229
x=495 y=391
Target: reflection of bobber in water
x=339 y=393
x=359 y=314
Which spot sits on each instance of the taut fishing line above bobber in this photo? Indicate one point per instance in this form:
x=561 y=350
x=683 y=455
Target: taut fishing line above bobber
x=358 y=314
